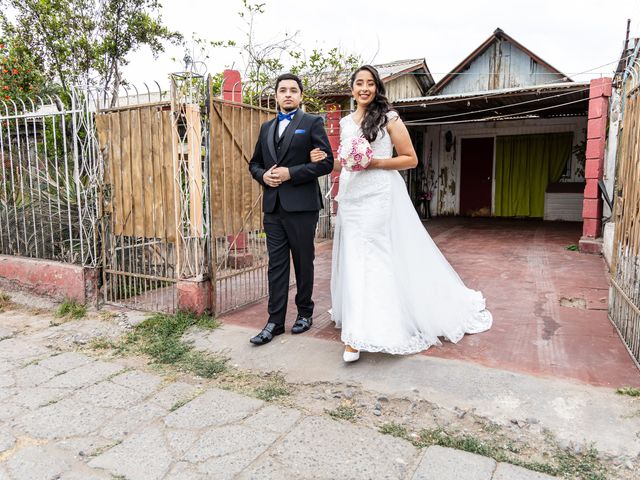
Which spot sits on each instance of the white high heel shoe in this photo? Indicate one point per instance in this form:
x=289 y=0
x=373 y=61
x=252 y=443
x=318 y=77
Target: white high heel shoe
x=348 y=356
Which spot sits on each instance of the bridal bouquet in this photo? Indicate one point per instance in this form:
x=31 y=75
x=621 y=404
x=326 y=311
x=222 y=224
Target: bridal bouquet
x=355 y=154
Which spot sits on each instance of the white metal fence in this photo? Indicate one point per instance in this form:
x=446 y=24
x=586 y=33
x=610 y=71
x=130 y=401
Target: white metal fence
x=49 y=171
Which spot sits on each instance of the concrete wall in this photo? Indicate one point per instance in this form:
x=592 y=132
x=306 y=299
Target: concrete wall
x=53 y=279
x=599 y=92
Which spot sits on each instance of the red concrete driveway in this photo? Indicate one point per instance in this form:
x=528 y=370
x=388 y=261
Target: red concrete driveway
x=549 y=304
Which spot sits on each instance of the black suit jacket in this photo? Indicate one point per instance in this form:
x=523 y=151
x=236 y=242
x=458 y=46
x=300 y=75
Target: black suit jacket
x=304 y=133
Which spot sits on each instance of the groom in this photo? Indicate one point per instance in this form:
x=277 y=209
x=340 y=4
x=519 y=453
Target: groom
x=281 y=164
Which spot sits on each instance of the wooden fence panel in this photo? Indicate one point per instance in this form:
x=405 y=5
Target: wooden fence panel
x=141 y=171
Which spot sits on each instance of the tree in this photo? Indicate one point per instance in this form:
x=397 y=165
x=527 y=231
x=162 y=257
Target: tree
x=86 y=42
x=324 y=75
x=19 y=71
x=323 y=72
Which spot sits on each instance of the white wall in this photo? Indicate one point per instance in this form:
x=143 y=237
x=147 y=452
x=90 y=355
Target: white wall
x=446 y=165
x=609 y=174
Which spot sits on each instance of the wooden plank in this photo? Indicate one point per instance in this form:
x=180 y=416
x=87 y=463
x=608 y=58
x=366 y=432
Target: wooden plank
x=194 y=163
x=168 y=174
x=125 y=174
x=146 y=150
x=102 y=130
x=136 y=174
x=155 y=118
x=218 y=172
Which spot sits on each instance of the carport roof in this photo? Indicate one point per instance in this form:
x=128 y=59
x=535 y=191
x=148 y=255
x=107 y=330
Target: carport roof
x=536 y=101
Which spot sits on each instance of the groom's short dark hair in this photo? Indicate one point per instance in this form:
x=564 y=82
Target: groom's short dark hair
x=289 y=76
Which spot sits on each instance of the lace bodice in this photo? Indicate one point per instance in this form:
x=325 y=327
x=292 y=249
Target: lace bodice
x=382 y=146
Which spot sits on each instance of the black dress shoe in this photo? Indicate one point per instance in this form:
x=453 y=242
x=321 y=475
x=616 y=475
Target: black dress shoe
x=269 y=331
x=302 y=324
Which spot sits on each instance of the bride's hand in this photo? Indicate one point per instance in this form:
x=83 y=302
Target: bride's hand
x=317 y=155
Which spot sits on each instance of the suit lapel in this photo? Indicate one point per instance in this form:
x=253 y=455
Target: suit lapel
x=271 y=140
x=289 y=132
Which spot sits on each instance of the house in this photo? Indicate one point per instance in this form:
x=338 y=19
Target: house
x=402 y=79
x=502 y=134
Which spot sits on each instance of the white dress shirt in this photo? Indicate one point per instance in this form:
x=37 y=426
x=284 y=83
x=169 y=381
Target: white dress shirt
x=283 y=124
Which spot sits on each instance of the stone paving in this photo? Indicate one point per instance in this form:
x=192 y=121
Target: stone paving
x=68 y=416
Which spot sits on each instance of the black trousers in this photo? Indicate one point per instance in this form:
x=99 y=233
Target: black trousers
x=290 y=235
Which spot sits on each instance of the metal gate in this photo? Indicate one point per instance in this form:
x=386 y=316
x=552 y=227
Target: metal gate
x=624 y=301
x=239 y=248
x=154 y=215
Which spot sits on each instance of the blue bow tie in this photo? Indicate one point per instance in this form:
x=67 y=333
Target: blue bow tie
x=286 y=116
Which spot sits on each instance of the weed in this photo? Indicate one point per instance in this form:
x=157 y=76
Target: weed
x=343 y=412
x=160 y=337
x=630 y=391
x=71 y=309
x=395 y=430
x=102 y=343
x=273 y=390
x=5 y=300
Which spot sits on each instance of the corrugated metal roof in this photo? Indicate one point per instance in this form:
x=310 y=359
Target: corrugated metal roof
x=552 y=100
x=391 y=68
x=500 y=92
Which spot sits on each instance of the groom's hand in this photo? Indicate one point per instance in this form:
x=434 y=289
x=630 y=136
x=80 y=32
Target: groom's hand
x=270 y=178
x=282 y=174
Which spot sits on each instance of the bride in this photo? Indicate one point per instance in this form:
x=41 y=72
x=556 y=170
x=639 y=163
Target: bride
x=392 y=289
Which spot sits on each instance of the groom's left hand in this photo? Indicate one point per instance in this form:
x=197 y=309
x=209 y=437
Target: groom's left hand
x=282 y=173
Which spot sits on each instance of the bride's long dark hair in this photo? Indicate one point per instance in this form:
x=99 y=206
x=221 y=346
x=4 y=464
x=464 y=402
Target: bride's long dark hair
x=375 y=116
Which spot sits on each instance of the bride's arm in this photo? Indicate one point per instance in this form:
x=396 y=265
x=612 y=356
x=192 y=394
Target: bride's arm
x=317 y=155
x=406 y=157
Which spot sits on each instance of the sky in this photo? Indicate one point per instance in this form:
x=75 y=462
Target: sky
x=573 y=36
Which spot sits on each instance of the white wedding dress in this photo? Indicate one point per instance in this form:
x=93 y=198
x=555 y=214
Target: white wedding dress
x=392 y=289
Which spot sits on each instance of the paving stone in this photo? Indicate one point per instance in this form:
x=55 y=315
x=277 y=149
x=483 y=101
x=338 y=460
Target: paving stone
x=33 y=375
x=11 y=410
x=21 y=352
x=143 y=456
x=180 y=441
x=218 y=442
x=5 y=333
x=213 y=408
x=173 y=393
x=37 y=463
x=141 y=382
x=267 y=469
x=185 y=471
x=7 y=440
x=83 y=447
x=3 y=473
x=338 y=450
x=36 y=397
x=132 y=420
x=7 y=366
x=66 y=418
x=7 y=380
x=7 y=392
x=439 y=463
x=274 y=418
x=84 y=376
x=65 y=361
x=229 y=466
x=110 y=395
x=86 y=474
x=506 y=471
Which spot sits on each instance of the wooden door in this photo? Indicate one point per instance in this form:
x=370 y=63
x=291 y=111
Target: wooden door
x=476 y=176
